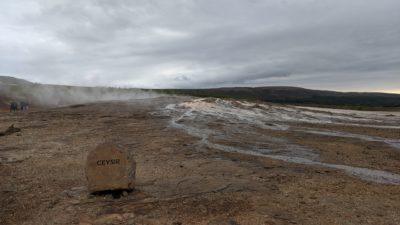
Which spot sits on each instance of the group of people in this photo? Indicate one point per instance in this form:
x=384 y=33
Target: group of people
x=15 y=106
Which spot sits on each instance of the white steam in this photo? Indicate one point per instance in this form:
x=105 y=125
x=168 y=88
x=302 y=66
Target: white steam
x=55 y=95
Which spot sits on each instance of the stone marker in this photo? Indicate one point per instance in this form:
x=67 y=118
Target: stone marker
x=110 y=167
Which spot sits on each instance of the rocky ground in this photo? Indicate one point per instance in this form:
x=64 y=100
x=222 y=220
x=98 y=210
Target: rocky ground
x=198 y=163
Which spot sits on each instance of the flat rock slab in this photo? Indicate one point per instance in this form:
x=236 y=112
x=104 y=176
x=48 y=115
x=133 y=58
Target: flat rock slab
x=110 y=167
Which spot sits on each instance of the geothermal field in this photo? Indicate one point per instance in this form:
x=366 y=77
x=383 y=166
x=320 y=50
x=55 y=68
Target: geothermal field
x=203 y=161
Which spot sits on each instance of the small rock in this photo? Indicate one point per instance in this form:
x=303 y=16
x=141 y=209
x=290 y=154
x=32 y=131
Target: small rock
x=128 y=215
x=85 y=220
x=84 y=223
x=167 y=150
x=109 y=219
x=10 y=130
x=223 y=221
x=203 y=209
x=74 y=202
x=124 y=193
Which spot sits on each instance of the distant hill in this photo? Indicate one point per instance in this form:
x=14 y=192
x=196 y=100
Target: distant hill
x=6 y=80
x=295 y=95
x=14 y=89
x=7 y=84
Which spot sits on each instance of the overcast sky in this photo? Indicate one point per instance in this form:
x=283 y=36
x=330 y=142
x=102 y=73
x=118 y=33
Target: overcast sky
x=322 y=44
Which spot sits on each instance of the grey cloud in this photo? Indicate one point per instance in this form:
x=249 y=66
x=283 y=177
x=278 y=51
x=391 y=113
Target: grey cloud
x=194 y=44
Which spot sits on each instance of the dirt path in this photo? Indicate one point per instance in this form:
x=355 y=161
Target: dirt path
x=181 y=180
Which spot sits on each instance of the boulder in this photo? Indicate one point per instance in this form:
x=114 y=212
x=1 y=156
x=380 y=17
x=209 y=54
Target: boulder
x=10 y=130
x=110 y=167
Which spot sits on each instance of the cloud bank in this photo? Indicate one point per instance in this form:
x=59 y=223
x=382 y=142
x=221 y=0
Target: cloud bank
x=324 y=44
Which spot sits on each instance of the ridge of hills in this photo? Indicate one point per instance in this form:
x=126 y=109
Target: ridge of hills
x=44 y=94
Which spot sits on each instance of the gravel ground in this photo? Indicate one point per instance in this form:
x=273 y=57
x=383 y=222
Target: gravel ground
x=223 y=174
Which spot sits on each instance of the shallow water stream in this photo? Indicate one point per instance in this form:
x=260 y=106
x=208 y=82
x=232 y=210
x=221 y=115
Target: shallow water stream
x=234 y=126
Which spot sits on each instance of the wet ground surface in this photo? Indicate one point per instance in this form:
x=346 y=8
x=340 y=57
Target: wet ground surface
x=204 y=161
